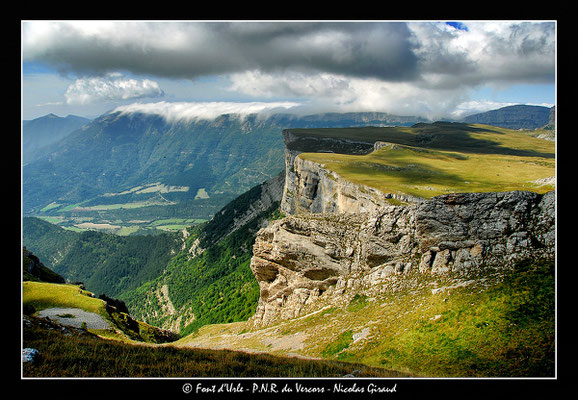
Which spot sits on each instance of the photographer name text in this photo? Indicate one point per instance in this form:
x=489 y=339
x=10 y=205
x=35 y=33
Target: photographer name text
x=296 y=387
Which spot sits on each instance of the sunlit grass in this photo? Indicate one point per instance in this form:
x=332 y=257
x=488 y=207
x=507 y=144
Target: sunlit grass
x=427 y=173
x=42 y=295
x=431 y=159
x=89 y=356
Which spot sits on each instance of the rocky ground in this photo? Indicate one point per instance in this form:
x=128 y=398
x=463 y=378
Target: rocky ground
x=75 y=317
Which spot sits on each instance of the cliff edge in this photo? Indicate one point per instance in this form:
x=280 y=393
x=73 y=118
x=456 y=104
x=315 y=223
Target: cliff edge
x=341 y=239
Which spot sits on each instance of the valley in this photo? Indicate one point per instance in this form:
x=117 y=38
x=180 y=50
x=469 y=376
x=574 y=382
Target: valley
x=426 y=250
x=99 y=214
x=123 y=171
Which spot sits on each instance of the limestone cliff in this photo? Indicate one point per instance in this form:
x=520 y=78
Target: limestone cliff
x=340 y=239
x=311 y=188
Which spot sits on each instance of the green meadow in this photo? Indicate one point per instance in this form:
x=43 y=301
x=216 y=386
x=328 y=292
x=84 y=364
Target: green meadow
x=42 y=295
x=446 y=157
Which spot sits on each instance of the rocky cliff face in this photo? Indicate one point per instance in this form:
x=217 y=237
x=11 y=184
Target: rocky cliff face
x=340 y=239
x=310 y=188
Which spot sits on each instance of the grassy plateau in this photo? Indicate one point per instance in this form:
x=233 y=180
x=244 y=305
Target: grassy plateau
x=440 y=158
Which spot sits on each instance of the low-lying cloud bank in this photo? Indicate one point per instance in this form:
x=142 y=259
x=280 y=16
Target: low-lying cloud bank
x=194 y=111
x=189 y=111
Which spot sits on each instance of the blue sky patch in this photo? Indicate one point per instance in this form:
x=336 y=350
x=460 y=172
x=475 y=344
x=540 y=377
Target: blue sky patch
x=458 y=25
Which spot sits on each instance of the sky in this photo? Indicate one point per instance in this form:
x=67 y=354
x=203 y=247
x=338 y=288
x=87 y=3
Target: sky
x=200 y=69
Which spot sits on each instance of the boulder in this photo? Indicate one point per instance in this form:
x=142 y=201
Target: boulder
x=30 y=355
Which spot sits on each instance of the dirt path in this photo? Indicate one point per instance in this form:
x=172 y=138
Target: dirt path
x=75 y=317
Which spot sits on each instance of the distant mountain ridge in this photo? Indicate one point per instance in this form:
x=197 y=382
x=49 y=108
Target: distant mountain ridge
x=133 y=166
x=118 y=151
x=513 y=117
x=46 y=130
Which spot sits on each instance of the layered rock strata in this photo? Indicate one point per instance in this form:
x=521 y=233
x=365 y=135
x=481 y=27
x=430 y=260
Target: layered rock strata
x=299 y=259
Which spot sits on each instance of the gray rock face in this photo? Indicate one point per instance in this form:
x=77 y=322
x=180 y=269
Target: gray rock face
x=468 y=230
x=296 y=259
x=310 y=188
x=300 y=258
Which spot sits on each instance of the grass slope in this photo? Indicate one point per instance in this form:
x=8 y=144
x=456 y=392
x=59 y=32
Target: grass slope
x=42 y=295
x=89 y=356
x=37 y=296
x=431 y=326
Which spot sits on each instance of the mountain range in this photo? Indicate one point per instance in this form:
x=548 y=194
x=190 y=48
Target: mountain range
x=142 y=167
x=321 y=261
x=123 y=167
x=515 y=117
x=41 y=132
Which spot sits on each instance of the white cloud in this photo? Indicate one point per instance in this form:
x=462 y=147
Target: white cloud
x=187 y=111
x=111 y=87
x=487 y=52
x=329 y=92
x=289 y=84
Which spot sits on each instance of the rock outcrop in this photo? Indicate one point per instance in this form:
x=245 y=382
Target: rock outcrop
x=300 y=258
x=340 y=239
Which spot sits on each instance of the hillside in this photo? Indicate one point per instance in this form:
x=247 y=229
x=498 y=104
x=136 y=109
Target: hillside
x=126 y=172
x=455 y=285
x=209 y=281
x=513 y=117
x=75 y=353
x=106 y=263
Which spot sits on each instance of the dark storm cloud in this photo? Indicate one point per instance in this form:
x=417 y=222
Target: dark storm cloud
x=189 y=50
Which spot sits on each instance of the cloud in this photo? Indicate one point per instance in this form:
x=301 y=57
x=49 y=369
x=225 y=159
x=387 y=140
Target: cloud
x=204 y=48
x=462 y=53
x=329 y=92
x=187 y=111
x=489 y=52
x=111 y=87
x=417 y=67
